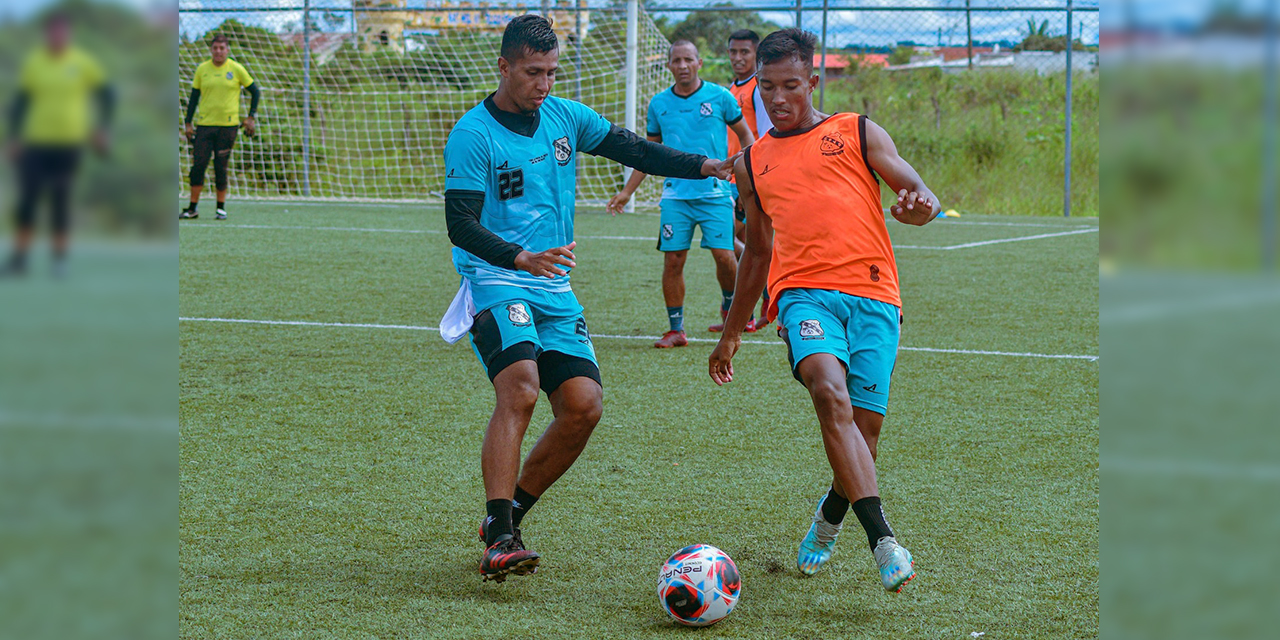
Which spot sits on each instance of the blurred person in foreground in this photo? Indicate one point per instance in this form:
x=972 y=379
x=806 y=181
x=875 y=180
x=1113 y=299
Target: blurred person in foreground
x=817 y=236
x=217 y=82
x=49 y=124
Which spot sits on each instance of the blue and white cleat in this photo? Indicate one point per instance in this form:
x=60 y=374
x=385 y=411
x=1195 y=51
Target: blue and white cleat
x=896 y=565
x=818 y=543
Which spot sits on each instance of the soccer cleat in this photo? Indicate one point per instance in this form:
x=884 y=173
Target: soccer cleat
x=188 y=214
x=507 y=557
x=484 y=532
x=718 y=328
x=818 y=543
x=756 y=324
x=671 y=339
x=896 y=566
x=220 y=214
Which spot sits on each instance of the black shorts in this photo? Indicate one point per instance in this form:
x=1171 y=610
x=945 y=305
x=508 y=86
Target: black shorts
x=46 y=169
x=211 y=139
x=554 y=367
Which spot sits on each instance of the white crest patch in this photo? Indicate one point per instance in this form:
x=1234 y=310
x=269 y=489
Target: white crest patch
x=705 y=108
x=563 y=150
x=810 y=329
x=518 y=314
x=667 y=231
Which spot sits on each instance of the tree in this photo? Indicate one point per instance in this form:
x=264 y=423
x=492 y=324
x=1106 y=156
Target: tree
x=710 y=29
x=1039 y=39
x=901 y=55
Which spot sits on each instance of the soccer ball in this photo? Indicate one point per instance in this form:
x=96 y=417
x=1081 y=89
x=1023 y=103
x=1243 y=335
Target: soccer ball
x=699 y=585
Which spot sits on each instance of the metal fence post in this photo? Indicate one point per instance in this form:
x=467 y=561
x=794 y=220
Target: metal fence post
x=633 y=81
x=822 y=71
x=1269 y=145
x=968 y=29
x=306 y=98
x=1066 y=173
x=799 y=14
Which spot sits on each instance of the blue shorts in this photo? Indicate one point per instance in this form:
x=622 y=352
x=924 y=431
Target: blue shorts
x=861 y=332
x=528 y=324
x=714 y=215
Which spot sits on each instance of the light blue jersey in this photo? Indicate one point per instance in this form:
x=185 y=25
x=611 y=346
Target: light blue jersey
x=695 y=124
x=528 y=182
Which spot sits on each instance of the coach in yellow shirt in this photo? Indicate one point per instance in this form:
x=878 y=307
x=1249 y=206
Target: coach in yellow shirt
x=49 y=123
x=216 y=91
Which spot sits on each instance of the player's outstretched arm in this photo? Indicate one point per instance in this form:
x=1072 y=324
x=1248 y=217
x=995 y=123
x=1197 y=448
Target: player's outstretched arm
x=753 y=275
x=462 y=217
x=917 y=204
x=627 y=148
x=617 y=202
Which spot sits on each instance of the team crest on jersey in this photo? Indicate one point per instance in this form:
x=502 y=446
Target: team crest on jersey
x=705 y=108
x=231 y=75
x=563 y=150
x=667 y=232
x=832 y=144
x=811 y=330
x=518 y=314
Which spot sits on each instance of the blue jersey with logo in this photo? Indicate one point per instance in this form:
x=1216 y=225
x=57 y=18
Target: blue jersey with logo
x=529 y=182
x=694 y=124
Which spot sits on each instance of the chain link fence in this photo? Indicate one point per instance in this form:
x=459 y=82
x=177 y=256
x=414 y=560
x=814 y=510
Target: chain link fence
x=973 y=91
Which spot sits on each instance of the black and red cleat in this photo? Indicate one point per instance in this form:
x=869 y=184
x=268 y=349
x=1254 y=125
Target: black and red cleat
x=507 y=557
x=484 y=532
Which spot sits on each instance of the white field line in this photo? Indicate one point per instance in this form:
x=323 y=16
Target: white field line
x=1177 y=308
x=640 y=238
x=409 y=327
x=1200 y=469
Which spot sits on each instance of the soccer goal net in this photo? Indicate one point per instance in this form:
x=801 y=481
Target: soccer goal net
x=359 y=96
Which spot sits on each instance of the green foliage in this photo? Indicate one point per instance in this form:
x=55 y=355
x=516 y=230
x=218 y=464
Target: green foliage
x=901 y=55
x=1039 y=39
x=710 y=30
x=986 y=141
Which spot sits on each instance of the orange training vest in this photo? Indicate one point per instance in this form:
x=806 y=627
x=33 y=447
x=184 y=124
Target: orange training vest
x=824 y=202
x=745 y=93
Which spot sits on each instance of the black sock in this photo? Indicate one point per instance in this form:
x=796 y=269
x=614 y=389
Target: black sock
x=834 y=506
x=871 y=515
x=18 y=260
x=499 y=519
x=191 y=206
x=726 y=300
x=222 y=205
x=521 y=505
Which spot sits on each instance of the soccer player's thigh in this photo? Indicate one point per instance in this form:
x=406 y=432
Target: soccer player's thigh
x=567 y=352
x=873 y=329
x=675 y=230
x=808 y=326
x=503 y=335
x=715 y=216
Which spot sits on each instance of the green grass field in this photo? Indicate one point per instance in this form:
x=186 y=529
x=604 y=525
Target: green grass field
x=329 y=475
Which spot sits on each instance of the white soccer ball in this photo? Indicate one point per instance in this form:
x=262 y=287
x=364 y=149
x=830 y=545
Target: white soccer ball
x=699 y=585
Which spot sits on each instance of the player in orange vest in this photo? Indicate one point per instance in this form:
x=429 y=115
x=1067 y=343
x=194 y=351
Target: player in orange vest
x=816 y=233
x=742 y=57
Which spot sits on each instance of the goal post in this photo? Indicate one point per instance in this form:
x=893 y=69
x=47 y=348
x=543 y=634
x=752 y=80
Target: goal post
x=359 y=96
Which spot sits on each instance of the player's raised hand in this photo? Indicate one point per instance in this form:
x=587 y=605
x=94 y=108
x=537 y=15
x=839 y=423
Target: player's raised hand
x=914 y=208
x=617 y=202
x=547 y=263
x=720 y=364
x=722 y=169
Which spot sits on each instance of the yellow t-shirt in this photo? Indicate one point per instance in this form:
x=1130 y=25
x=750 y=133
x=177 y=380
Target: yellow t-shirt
x=220 y=92
x=60 y=90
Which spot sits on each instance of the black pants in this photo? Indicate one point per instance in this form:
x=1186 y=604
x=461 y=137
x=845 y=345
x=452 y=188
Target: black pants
x=42 y=168
x=215 y=142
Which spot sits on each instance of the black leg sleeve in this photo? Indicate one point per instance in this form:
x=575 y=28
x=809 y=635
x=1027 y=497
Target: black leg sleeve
x=64 y=173
x=201 y=151
x=29 y=184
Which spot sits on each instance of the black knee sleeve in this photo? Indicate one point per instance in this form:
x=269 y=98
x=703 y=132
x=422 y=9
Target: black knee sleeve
x=221 y=159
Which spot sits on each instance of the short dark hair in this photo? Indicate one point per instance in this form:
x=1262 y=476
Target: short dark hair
x=678 y=43
x=745 y=34
x=785 y=44
x=529 y=31
x=219 y=38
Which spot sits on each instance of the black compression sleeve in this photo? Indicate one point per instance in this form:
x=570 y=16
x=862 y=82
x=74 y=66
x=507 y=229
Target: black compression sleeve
x=106 y=104
x=652 y=158
x=17 y=112
x=462 y=217
x=191 y=105
x=255 y=94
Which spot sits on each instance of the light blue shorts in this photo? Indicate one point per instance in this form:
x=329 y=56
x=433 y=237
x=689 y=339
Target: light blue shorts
x=861 y=332
x=528 y=324
x=714 y=215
